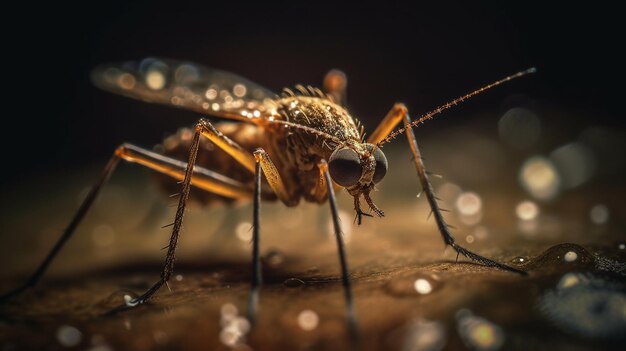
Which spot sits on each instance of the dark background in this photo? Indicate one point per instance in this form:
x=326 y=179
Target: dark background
x=422 y=54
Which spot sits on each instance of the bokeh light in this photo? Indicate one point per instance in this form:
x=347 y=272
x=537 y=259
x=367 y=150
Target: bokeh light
x=519 y=127
x=539 y=177
x=308 y=320
x=575 y=163
x=527 y=210
x=599 y=214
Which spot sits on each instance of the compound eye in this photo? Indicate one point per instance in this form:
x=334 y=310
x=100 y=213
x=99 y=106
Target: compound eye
x=345 y=167
x=381 y=164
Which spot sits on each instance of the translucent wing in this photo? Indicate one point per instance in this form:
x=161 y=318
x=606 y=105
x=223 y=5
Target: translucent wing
x=186 y=85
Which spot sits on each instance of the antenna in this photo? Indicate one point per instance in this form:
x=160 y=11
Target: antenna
x=454 y=102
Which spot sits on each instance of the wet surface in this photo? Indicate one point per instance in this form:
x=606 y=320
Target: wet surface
x=410 y=294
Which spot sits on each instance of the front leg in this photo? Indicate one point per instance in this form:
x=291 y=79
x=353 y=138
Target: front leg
x=400 y=113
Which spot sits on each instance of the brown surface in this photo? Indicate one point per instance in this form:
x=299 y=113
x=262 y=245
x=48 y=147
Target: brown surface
x=386 y=256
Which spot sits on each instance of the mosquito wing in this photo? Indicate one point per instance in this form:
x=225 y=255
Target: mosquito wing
x=186 y=85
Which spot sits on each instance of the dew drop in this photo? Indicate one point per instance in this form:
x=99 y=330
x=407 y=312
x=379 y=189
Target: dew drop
x=570 y=256
x=520 y=260
x=409 y=286
x=422 y=286
x=293 y=282
x=130 y=301
x=69 y=336
x=118 y=299
x=558 y=255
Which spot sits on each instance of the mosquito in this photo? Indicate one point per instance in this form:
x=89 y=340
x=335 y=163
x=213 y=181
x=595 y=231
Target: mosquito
x=301 y=144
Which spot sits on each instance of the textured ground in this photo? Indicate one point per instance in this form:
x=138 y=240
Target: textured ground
x=409 y=292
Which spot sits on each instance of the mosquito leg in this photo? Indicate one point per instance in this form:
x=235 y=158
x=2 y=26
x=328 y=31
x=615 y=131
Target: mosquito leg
x=335 y=84
x=78 y=217
x=202 y=178
x=345 y=278
x=257 y=277
x=400 y=113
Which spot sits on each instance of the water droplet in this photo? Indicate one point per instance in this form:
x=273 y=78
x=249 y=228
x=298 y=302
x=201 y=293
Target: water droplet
x=130 y=301
x=540 y=178
x=415 y=285
x=308 y=320
x=527 y=210
x=422 y=286
x=599 y=214
x=69 y=336
x=479 y=333
x=274 y=258
x=570 y=256
x=118 y=299
x=520 y=260
x=561 y=254
x=293 y=282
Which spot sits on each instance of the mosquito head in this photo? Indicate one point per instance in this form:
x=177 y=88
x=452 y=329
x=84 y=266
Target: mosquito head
x=358 y=167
